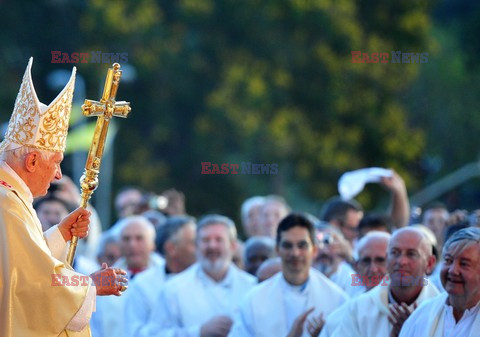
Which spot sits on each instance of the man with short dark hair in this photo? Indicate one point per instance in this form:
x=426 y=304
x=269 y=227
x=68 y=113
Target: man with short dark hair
x=457 y=311
x=346 y=214
x=374 y=223
x=293 y=302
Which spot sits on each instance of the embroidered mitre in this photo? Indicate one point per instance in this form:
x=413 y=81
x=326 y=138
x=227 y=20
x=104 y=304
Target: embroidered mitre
x=35 y=124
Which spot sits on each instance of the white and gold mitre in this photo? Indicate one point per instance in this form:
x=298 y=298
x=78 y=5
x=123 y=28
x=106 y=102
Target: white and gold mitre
x=36 y=124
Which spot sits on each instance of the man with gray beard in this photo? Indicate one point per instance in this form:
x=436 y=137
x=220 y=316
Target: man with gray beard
x=202 y=300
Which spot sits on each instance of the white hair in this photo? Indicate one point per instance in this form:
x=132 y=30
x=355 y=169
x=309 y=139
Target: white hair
x=247 y=206
x=17 y=155
x=144 y=222
x=369 y=237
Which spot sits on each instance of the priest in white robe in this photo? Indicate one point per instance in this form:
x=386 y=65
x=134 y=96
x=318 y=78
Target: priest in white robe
x=176 y=242
x=276 y=307
x=409 y=259
x=137 y=242
x=203 y=300
x=371 y=267
x=457 y=311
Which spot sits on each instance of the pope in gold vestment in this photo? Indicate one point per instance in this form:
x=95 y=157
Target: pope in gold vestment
x=31 y=305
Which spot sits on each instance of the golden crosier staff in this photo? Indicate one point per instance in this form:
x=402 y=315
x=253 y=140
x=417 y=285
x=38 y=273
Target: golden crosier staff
x=104 y=110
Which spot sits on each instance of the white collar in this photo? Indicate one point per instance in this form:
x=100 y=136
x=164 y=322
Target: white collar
x=25 y=190
x=468 y=312
x=294 y=288
x=226 y=282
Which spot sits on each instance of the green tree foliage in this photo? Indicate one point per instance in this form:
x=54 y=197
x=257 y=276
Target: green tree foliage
x=444 y=99
x=260 y=81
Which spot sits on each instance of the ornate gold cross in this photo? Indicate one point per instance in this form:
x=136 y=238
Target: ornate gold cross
x=104 y=109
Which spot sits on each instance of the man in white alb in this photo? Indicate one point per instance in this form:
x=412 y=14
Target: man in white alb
x=293 y=302
x=409 y=259
x=457 y=311
x=202 y=300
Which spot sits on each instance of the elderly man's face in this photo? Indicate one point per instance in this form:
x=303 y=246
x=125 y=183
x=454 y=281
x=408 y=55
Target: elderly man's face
x=297 y=251
x=372 y=262
x=136 y=245
x=47 y=171
x=272 y=214
x=407 y=262
x=253 y=220
x=50 y=213
x=460 y=273
x=214 y=248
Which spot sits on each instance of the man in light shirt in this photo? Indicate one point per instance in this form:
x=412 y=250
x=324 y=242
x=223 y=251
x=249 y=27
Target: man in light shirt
x=371 y=267
x=370 y=263
x=371 y=314
x=176 y=242
x=456 y=312
x=202 y=300
x=293 y=302
x=137 y=245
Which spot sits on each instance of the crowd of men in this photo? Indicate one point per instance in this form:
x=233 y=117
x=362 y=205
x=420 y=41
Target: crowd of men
x=338 y=273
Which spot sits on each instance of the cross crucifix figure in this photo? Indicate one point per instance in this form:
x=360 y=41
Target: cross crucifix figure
x=104 y=109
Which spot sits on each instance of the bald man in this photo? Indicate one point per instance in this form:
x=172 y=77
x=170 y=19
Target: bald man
x=457 y=311
x=382 y=311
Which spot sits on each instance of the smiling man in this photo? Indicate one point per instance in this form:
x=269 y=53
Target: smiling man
x=294 y=302
x=201 y=301
x=382 y=311
x=456 y=312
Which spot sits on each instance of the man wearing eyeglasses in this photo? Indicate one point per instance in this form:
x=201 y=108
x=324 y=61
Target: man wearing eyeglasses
x=370 y=266
x=381 y=311
x=294 y=302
